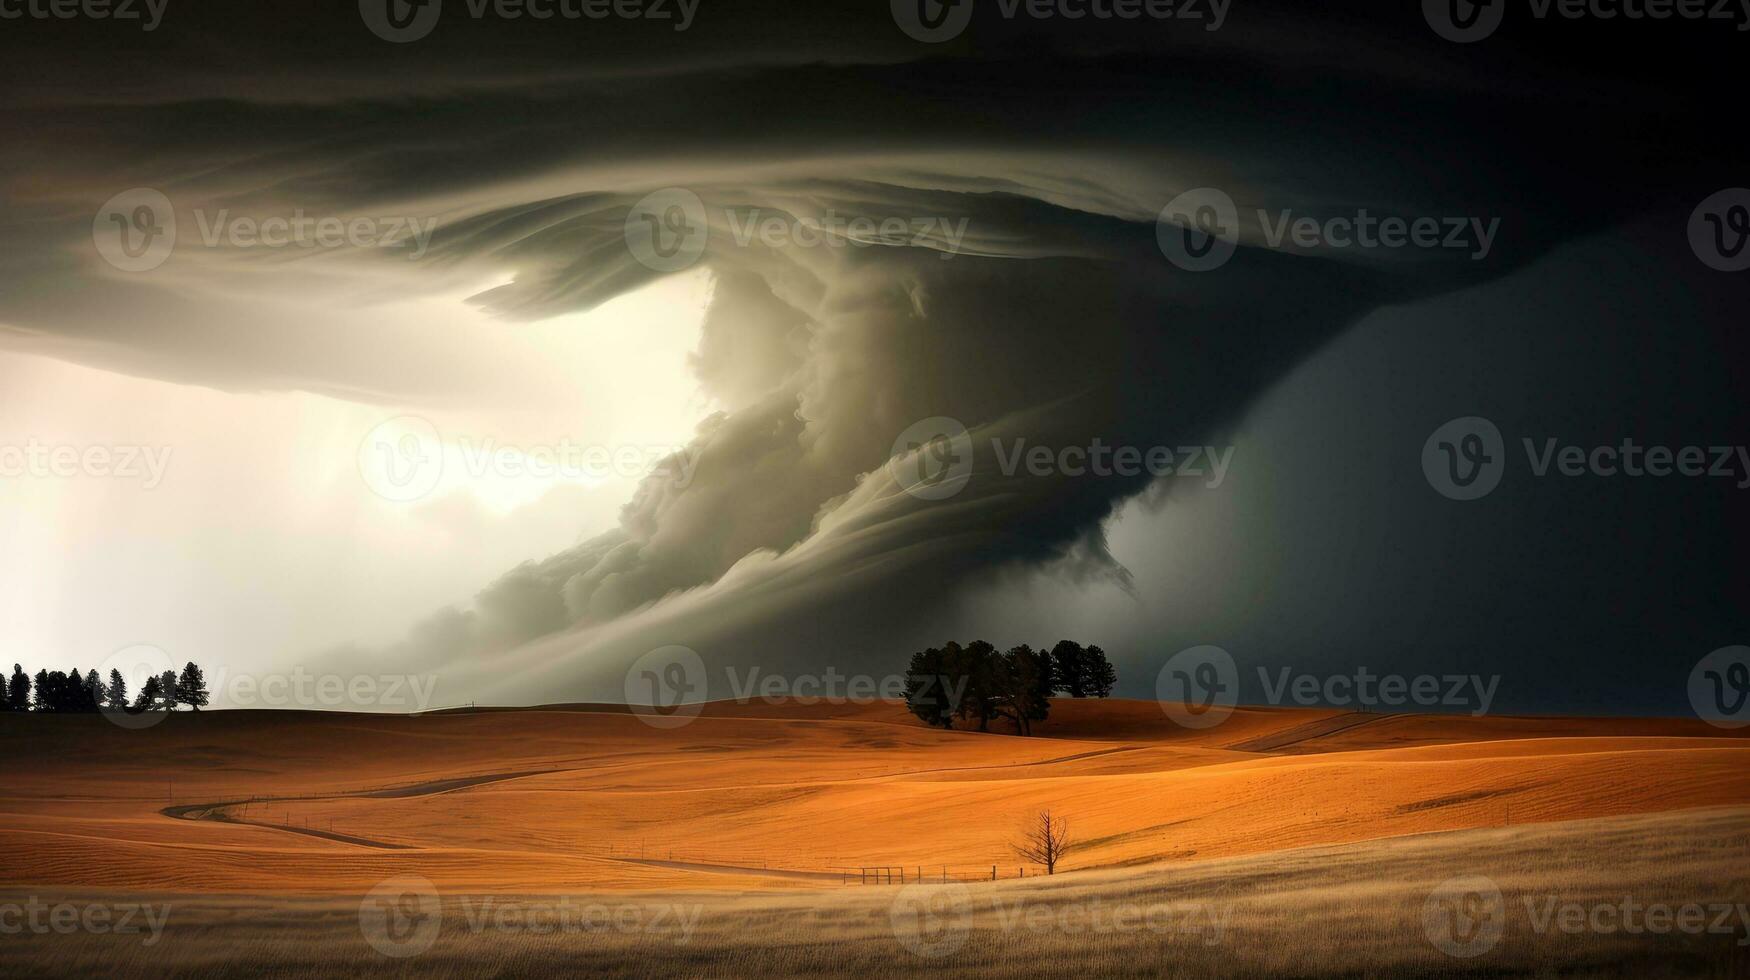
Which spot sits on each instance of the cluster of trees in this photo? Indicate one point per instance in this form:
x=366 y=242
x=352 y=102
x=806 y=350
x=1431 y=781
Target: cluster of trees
x=76 y=692
x=976 y=681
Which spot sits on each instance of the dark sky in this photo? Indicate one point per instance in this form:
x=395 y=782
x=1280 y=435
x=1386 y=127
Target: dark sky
x=1058 y=320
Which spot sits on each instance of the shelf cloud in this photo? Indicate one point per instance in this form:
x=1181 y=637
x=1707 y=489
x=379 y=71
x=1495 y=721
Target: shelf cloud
x=896 y=233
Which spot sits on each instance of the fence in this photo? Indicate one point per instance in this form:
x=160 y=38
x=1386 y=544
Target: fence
x=919 y=875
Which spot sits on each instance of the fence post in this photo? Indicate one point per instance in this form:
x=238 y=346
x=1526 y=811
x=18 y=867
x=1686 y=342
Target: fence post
x=993 y=872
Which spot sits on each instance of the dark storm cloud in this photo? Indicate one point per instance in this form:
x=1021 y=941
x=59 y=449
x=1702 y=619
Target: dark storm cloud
x=1055 y=318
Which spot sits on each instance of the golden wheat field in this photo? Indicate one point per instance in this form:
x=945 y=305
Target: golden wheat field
x=795 y=838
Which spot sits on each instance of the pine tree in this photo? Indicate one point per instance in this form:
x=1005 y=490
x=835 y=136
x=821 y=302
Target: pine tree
x=191 y=687
x=117 y=695
x=167 y=689
x=151 y=694
x=74 y=696
x=18 y=690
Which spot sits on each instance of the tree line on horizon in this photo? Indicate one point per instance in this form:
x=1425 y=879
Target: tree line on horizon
x=977 y=682
x=75 y=693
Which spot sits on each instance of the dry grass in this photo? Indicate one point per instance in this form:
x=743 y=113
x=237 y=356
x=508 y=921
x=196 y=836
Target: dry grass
x=790 y=787
x=1284 y=843
x=1352 y=910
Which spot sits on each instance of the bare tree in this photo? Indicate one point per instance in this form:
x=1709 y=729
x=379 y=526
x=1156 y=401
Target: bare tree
x=1046 y=841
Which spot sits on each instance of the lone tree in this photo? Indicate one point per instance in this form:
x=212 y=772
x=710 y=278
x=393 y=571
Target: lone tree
x=1046 y=841
x=191 y=687
x=18 y=690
